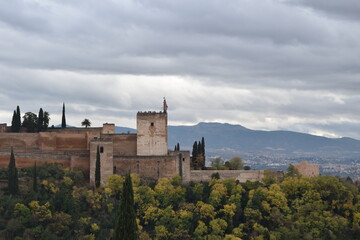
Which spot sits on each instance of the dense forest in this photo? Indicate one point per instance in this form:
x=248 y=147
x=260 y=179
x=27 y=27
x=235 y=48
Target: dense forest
x=56 y=203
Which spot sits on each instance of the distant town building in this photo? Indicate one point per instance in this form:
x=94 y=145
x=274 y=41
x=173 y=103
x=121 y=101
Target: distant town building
x=307 y=169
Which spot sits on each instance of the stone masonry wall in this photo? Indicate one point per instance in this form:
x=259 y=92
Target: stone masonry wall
x=152 y=134
x=308 y=170
x=241 y=175
x=106 y=159
x=148 y=167
x=124 y=144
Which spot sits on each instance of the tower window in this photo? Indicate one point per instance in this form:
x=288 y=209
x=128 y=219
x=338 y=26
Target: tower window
x=152 y=124
x=101 y=149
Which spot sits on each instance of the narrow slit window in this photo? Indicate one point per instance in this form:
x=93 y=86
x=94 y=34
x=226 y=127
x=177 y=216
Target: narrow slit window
x=152 y=124
x=101 y=149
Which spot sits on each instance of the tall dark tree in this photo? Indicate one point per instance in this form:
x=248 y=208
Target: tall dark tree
x=199 y=148
x=18 y=119
x=13 y=181
x=40 y=123
x=30 y=121
x=194 y=155
x=125 y=223
x=46 y=120
x=63 y=121
x=86 y=123
x=13 y=122
x=97 y=168
x=178 y=146
x=35 y=185
x=203 y=146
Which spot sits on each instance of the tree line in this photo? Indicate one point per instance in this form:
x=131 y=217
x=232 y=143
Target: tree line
x=38 y=122
x=64 y=206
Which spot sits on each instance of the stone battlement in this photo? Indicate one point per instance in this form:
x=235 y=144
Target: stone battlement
x=150 y=113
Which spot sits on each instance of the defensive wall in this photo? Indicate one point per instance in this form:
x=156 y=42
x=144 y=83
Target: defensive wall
x=145 y=153
x=308 y=170
x=240 y=175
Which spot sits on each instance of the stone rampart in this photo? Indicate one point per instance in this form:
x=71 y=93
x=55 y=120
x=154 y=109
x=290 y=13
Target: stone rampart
x=124 y=144
x=241 y=175
x=148 y=167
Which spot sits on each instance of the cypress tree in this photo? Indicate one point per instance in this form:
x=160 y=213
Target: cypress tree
x=63 y=121
x=194 y=155
x=97 y=168
x=18 y=119
x=199 y=148
x=13 y=122
x=203 y=146
x=178 y=146
x=40 y=123
x=35 y=186
x=13 y=181
x=125 y=223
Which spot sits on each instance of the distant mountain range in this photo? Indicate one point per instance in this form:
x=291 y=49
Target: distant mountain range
x=222 y=136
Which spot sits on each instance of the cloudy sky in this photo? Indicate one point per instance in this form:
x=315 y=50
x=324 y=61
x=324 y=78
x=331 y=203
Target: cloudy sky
x=268 y=64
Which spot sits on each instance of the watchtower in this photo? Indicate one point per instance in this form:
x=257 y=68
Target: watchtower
x=106 y=159
x=152 y=133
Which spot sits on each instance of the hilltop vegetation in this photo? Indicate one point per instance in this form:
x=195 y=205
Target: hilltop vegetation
x=64 y=207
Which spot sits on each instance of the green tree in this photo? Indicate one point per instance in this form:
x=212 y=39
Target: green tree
x=86 y=123
x=292 y=171
x=194 y=155
x=46 y=120
x=13 y=181
x=203 y=147
x=18 y=119
x=97 y=168
x=235 y=163
x=40 y=121
x=217 y=162
x=125 y=224
x=63 y=120
x=30 y=121
x=13 y=122
x=35 y=184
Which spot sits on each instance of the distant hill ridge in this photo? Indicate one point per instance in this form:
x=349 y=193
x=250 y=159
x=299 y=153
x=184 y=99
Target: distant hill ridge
x=237 y=137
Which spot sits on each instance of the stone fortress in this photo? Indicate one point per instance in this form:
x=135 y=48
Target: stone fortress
x=144 y=153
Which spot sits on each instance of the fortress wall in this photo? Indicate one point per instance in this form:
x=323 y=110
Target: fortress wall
x=3 y=127
x=308 y=170
x=106 y=159
x=182 y=164
x=148 y=167
x=24 y=160
x=19 y=140
x=80 y=162
x=96 y=130
x=124 y=144
x=71 y=141
x=241 y=175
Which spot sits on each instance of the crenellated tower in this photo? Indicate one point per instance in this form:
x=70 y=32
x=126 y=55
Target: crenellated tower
x=152 y=133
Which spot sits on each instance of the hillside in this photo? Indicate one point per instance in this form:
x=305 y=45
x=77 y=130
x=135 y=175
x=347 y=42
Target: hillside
x=239 y=138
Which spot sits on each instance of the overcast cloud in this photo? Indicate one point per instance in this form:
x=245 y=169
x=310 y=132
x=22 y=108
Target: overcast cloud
x=271 y=64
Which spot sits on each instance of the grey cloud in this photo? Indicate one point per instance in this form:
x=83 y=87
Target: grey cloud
x=348 y=9
x=240 y=61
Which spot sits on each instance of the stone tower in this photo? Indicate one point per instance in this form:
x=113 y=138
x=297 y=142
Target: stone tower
x=106 y=159
x=152 y=133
